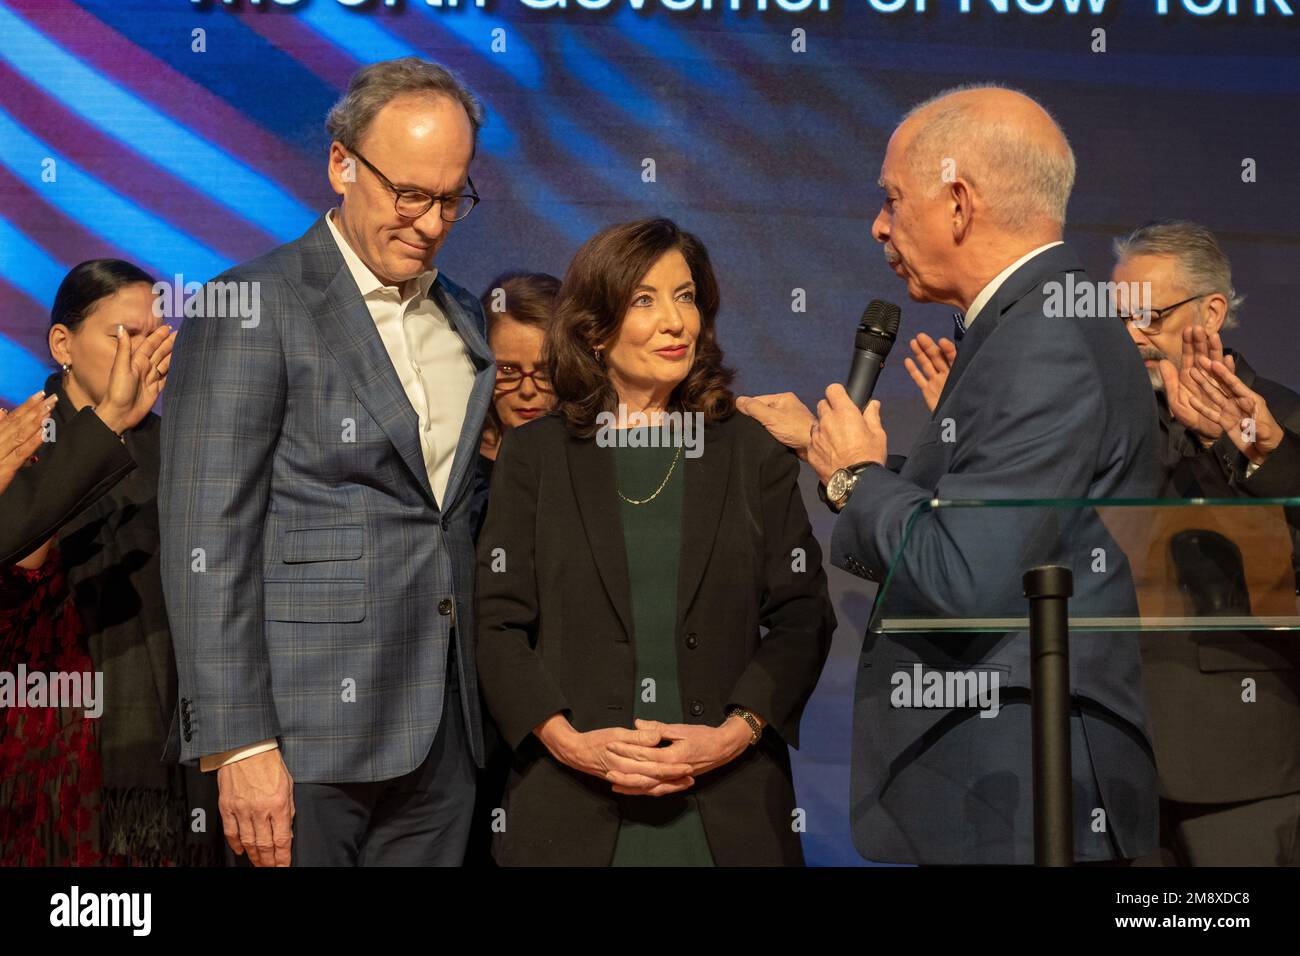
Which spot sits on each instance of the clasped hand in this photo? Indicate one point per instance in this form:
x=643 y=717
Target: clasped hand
x=635 y=761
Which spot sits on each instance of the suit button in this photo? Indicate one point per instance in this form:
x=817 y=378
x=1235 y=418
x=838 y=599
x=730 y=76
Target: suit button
x=692 y=640
x=444 y=606
x=697 y=708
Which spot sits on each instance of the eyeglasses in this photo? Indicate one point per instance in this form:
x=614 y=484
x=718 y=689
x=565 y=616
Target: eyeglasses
x=511 y=377
x=1148 y=320
x=412 y=203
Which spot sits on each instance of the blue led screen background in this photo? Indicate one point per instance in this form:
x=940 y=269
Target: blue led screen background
x=187 y=161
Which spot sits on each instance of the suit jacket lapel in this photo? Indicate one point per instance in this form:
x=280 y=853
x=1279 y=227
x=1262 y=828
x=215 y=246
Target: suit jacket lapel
x=349 y=333
x=966 y=352
x=705 y=494
x=595 y=482
x=1028 y=278
x=462 y=317
x=591 y=469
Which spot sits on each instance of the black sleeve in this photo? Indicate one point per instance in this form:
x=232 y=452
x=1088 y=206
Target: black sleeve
x=86 y=461
x=795 y=608
x=1279 y=476
x=519 y=691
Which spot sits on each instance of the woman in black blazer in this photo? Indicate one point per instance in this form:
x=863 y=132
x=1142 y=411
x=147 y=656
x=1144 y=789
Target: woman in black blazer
x=86 y=596
x=624 y=579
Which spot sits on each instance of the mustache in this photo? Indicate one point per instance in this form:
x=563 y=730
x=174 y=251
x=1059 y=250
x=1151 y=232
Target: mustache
x=891 y=254
x=1152 y=354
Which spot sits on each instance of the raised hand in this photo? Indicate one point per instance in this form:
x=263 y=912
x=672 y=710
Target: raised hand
x=137 y=378
x=1240 y=413
x=933 y=361
x=21 y=433
x=787 y=418
x=1181 y=387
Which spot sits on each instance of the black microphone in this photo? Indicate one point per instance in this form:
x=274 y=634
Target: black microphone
x=875 y=337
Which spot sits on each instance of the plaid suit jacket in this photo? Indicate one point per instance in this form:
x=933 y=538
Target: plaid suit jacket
x=312 y=582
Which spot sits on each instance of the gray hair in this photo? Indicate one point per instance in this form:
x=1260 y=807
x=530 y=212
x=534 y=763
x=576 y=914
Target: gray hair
x=373 y=87
x=1022 y=180
x=1201 y=263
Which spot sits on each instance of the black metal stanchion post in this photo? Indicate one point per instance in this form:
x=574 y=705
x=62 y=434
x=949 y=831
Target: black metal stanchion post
x=1048 y=590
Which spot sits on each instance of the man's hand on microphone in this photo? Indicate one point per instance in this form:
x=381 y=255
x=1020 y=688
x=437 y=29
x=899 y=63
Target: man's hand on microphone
x=256 y=802
x=787 y=418
x=844 y=436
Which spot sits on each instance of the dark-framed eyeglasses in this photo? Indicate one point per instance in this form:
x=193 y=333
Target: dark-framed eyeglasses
x=511 y=377
x=412 y=203
x=1148 y=320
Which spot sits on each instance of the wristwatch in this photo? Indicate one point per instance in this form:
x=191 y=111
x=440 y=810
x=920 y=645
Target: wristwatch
x=755 y=729
x=841 y=484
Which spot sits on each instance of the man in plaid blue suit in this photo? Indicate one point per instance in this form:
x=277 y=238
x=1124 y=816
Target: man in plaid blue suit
x=318 y=497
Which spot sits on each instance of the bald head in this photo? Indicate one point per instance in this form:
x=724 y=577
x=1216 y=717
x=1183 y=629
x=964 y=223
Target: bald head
x=1003 y=144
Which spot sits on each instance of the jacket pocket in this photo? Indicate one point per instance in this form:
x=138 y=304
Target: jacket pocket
x=314 y=602
x=303 y=545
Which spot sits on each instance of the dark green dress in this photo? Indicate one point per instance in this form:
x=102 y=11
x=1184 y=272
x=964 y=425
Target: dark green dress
x=656 y=831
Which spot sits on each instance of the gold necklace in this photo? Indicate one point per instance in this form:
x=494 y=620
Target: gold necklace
x=662 y=485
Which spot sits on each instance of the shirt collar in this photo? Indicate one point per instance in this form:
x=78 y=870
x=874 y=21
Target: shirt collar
x=367 y=282
x=991 y=289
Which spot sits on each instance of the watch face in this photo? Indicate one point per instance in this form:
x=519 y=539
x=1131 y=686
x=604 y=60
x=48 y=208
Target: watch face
x=838 y=485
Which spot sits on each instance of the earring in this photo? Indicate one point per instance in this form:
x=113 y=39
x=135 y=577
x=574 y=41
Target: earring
x=600 y=360
x=67 y=366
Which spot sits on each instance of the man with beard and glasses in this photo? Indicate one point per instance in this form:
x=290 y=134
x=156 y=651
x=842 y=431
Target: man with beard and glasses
x=1229 y=767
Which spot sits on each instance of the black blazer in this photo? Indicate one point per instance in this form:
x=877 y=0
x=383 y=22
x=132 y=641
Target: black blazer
x=555 y=633
x=1279 y=477
x=1210 y=747
x=70 y=474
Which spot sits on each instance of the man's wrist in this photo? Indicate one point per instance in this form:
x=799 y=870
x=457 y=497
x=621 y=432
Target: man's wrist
x=211 y=762
x=837 y=489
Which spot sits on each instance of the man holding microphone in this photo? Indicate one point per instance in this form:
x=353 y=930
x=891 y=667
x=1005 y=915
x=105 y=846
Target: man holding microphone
x=976 y=184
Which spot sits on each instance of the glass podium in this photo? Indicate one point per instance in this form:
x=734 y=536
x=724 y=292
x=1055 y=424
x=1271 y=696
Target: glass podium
x=1039 y=571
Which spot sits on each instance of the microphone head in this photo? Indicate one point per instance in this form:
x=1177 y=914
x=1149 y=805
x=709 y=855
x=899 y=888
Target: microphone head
x=879 y=327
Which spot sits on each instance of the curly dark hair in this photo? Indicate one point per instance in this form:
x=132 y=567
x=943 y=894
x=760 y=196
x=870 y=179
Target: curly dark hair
x=593 y=300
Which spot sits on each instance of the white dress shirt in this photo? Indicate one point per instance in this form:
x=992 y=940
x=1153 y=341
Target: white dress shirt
x=991 y=289
x=430 y=358
x=435 y=370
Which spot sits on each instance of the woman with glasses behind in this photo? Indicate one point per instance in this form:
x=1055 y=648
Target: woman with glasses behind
x=518 y=306
x=652 y=616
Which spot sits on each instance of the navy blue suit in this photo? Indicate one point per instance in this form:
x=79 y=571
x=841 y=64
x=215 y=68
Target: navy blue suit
x=1034 y=407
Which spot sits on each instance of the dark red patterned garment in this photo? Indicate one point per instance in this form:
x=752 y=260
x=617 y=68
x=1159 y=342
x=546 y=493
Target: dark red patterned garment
x=49 y=756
